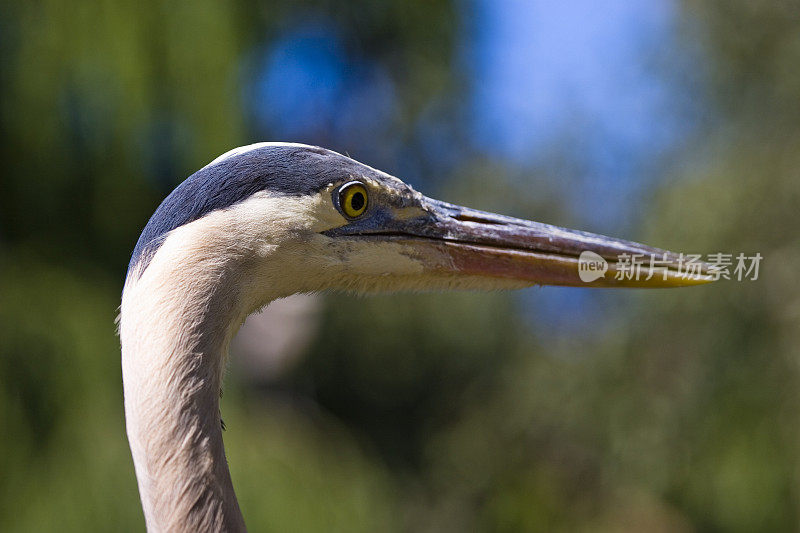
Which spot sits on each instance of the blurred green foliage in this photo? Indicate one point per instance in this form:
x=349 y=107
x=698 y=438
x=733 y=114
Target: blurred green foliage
x=679 y=414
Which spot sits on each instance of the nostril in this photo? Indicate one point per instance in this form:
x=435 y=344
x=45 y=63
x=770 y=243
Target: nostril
x=477 y=219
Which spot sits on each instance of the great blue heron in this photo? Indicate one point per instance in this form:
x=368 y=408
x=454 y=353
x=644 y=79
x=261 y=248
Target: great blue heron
x=269 y=220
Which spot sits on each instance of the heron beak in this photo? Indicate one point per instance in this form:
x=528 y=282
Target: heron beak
x=487 y=244
x=458 y=240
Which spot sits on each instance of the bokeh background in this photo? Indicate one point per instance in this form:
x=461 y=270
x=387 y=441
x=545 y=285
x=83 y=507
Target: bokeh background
x=671 y=122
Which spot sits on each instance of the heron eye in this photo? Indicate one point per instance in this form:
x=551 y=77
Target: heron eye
x=353 y=199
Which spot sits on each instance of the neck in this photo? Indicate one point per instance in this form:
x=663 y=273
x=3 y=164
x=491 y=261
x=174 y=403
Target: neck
x=176 y=321
x=175 y=337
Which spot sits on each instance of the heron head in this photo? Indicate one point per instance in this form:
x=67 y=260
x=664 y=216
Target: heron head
x=315 y=220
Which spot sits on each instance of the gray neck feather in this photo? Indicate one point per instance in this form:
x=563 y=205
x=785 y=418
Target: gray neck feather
x=175 y=336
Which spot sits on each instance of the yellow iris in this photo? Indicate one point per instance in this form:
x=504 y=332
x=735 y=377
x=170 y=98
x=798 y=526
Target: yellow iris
x=353 y=199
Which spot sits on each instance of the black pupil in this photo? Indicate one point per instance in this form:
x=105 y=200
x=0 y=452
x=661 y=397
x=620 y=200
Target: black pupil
x=357 y=201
